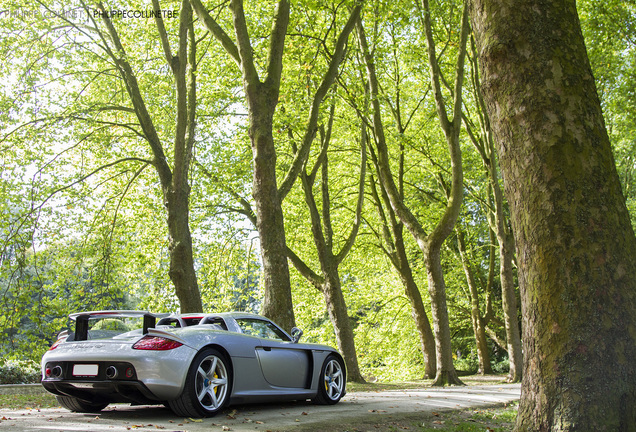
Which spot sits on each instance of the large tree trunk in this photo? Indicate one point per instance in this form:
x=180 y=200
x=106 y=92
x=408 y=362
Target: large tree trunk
x=575 y=244
x=181 y=270
x=277 y=300
x=262 y=98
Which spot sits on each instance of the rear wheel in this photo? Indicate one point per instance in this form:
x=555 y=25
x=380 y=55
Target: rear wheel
x=207 y=386
x=77 y=405
x=333 y=381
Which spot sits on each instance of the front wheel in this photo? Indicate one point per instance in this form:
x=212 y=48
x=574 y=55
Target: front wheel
x=77 y=405
x=333 y=381
x=207 y=386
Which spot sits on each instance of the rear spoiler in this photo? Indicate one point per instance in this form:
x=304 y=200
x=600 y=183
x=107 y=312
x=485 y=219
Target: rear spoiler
x=81 y=320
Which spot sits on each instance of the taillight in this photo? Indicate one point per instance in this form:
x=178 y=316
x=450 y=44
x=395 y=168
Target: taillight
x=156 y=343
x=56 y=344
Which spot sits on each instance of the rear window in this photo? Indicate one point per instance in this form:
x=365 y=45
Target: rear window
x=107 y=328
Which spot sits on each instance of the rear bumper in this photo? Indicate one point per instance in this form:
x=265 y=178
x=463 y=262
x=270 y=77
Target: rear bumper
x=111 y=391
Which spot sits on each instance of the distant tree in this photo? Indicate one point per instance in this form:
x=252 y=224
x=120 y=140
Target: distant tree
x=429 y=243
x=327 y=280
x=575 y=244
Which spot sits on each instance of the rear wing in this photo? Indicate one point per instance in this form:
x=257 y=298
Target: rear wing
x=81 y=320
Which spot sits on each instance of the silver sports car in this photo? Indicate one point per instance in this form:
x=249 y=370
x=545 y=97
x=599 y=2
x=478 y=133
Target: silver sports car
x=194 y=363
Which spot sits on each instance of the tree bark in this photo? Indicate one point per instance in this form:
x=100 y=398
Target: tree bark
x=277 y=300
x=339 y=316
x=423 y=325
x=575 y=244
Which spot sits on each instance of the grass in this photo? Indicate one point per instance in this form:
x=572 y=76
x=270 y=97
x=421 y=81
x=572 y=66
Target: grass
x=31 y=401
x=499 y=419
x=495 y=419
x=469 y=380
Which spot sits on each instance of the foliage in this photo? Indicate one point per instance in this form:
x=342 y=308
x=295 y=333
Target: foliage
x=19 y=372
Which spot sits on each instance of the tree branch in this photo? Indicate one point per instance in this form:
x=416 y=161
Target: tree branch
x=216 y=30
x=327 y=81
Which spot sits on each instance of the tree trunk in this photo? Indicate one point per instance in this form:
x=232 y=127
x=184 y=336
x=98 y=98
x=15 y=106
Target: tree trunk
x=509 y=305
x=339 y=316
x=277 y=300
x=427 y=339
x=430 y=244
x=479 y=326
x=181 y=270
x=446 y=373
x=575 y=244
x=396 y=252
x=174 y=182
x=262 y=98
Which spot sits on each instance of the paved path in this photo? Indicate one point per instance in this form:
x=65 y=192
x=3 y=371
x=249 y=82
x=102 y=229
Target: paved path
x=265 y=417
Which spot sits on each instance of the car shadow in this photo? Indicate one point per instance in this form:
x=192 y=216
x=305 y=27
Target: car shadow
x=155 y=413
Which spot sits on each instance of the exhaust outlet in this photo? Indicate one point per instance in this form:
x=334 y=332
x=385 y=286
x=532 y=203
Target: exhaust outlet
x=111 y=372
x=56 y=372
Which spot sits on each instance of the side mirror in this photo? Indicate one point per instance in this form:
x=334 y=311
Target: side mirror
x=296 y=333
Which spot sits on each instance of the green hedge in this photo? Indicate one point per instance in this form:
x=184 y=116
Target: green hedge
x=19 y=372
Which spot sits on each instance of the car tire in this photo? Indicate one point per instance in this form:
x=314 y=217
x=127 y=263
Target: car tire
x=333 y=381
x=80 y=406
x=207 y=386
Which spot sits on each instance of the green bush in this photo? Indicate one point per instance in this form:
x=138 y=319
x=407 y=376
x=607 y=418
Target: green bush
x=501 y=367
x=19 y=372
x=466 y=365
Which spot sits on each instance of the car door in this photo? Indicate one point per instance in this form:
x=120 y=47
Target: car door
x=281 y=362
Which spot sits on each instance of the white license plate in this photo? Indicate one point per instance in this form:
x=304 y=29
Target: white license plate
x=85 y=369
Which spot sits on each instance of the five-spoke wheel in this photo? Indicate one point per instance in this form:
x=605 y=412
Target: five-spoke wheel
x=207 y=387
x=333 y=381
